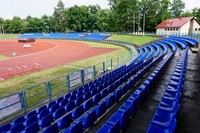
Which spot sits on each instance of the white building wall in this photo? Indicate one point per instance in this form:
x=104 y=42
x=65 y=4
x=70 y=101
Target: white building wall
x=168 y=31
x=196 y=27
x=185 y=28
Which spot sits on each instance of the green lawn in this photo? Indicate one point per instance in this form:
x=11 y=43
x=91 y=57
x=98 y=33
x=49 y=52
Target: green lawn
x=2 y=57
x=24 y=81
x=9 y=35
x=138 y=40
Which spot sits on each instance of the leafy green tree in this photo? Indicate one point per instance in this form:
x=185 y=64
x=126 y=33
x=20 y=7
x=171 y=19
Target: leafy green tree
x=196 y=13
x=58 y=16
x=187 y=14
x=177 y=7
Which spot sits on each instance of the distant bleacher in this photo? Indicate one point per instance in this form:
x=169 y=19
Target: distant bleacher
x=53 y=36
x=97 y=36
x=74 y=35
x=31 y=35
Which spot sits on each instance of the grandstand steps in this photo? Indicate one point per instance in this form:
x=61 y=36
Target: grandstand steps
x=109 y=113
x=142 y=119
x=189 y=117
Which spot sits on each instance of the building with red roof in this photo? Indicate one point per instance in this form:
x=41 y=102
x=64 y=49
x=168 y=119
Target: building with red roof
x=180 y=25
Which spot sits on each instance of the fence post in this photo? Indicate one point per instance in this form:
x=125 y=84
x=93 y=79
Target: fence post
x=94 y=72
x=68 y=82
x=82 y=76
x=103 y=67
x=49 y=90
x=111 y=64
x=23 y=103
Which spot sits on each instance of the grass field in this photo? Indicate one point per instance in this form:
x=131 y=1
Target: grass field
x=9 y=35
x=138 y=40
x=19 y=83
x=3 y=57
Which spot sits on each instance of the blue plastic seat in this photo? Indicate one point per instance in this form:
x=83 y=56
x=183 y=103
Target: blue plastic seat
x=30 y=114
x=18 y=120
x=88 y=104
x=59 y=100
x=74 y=92
x=30 y=120
x=104 y=93
x=132 y=103
x=67 y=96
x=65 y=121
x=118 y=94
x=54 y=108
x=58 y=113
x=94 y=92
x=80 y=93
x=101 y=109
x=110 y=127
x=87 y=96
x=110 y=100
x=16 y=128
x=33 y=128
x=46 y=121
x=51 y=104
x=70 y=106
x=97 y=98
x=72 y=97
x=51 y=129
x=123 y=115
x=43 y=114
x=75 y=128
x=89 y=119
x=64 y=102
x=5 y=127
x=41 y=109
x=79 y=101
x=77 y=112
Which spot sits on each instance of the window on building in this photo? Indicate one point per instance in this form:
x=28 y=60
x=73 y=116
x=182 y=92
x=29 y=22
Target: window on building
x=173 y=29
x=177 y=29
x=195 y=29
x=199 y=29
x=165 y=29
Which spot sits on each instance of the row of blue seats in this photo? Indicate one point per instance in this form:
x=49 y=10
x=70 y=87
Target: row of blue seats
x=164 y=119
x=79 y=126
x=190 y=41
x=119 y=120
x=110 y=100
x=62 y=101
x=84 y=36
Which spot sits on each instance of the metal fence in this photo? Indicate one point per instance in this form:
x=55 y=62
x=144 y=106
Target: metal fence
x=21 y=101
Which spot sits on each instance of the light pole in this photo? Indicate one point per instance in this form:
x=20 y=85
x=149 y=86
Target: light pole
x=143 y=23
x=133 y=23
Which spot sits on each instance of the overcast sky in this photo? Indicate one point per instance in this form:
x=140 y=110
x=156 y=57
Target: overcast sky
x=37 y=8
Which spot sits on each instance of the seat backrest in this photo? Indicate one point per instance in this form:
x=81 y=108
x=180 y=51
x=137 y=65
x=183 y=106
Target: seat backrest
x=59 y=100
x=75 y=128
x=33 y=128
x=46 y=121
x=88 y=104
x=31 y=120
x=54 y=108
x=97 y=98
x=64 y=102
x=30 y=114
x=51 y=104
x=79 y=101
x=52 y=129
x=87 y=96
x=59 y=112
x=77 y=112
x=19 y=120
x=65 y=121
x=89 y=119
x=70 y=106
x=41 y=109
x=43 y=114
x=17 y=128
x=101 y=109
x=110 y=100
x=5 y=127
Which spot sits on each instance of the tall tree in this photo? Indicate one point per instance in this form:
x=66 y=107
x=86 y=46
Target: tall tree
x=58 y=17
x=196 y=13
x=177 y=7
x=187 y=14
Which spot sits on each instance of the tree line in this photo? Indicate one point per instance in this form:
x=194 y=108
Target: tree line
x=122 y=16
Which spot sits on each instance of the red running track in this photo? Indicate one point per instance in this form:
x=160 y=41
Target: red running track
x=48 y=53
